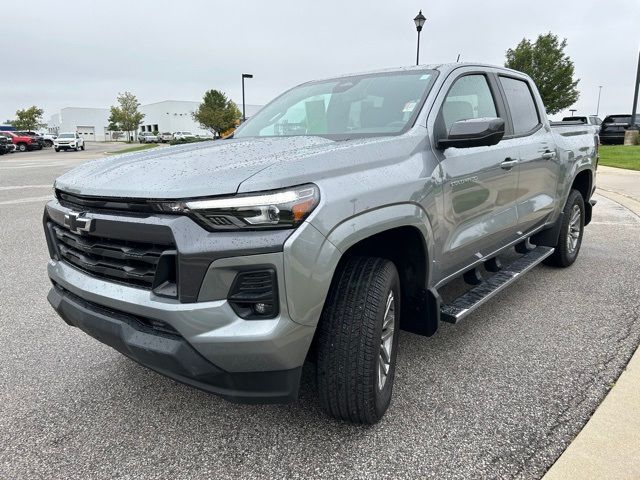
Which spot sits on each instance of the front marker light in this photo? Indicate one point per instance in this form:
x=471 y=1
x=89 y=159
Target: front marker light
x=286 y=208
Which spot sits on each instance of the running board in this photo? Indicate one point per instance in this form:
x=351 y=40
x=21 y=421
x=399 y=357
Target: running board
x=468 y=302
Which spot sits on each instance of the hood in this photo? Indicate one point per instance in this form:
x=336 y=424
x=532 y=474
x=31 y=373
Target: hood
x=195 y=170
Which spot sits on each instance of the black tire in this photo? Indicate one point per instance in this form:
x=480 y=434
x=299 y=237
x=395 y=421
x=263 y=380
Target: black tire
x=349 y=342
x=82 y=147
x=564 y=255
x=57 y=149
x=22 y=147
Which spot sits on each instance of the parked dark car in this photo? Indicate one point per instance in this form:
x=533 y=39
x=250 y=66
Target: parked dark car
x=613 y=128
x=4 y=145
x=9 y=147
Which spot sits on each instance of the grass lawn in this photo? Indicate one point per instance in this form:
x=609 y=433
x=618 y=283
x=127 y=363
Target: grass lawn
x=137 y=148
x=620 y=156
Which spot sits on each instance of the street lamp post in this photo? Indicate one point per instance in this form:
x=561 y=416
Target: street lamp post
x=634 y=110
x=244 y=75
x=599 y=93
x=419 y=21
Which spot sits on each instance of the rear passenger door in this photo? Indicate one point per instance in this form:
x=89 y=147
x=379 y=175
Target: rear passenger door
x=539 y=166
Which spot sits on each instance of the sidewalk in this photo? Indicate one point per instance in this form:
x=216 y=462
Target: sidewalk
x=608 y=447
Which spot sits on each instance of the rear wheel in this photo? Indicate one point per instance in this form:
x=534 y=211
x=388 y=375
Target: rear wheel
x=571 y=231
x=357 y=340
x=82 y=147
x=22 y=147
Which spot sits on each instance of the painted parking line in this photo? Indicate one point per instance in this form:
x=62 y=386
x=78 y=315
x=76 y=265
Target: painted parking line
x=27 y=200
x=21 y=187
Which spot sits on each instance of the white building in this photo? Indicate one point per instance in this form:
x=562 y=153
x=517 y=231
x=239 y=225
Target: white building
x=166 y=116
x=91 y=123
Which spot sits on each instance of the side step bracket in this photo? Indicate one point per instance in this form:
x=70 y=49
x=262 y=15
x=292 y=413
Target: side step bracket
x=466 y=303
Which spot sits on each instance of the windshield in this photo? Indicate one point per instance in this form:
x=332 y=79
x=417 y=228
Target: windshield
x=364 y=105
x=66 y=135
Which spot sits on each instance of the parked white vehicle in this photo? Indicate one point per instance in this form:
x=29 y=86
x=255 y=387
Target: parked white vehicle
x=183 y=135
x=148 y=137
x=68 y=140
x=165 y=137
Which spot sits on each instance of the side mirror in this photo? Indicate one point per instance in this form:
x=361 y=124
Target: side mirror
x=475 y=132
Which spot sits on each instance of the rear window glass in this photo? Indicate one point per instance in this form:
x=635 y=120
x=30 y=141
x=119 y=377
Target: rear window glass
x=618 y=119
x=521 y=104
x=575 y=119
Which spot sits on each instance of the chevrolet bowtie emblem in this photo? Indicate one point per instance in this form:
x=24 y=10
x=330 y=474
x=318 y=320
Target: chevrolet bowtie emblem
x=77 y=223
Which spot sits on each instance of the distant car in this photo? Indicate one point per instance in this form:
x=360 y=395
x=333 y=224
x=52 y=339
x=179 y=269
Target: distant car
x=166 y=137
x=68 y=141
x=48 y=139
x=39 y=138
x=208 y=136
x=4 y=144
x=148 y=137
x=9 y=146
x=183 y=135
x=23 y=142
x=613 y=128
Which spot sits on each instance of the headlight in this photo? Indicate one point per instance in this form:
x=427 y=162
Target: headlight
x=286 y=208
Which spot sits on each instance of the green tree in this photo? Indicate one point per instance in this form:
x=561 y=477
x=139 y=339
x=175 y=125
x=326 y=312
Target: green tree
x=552 y=70
x=125 y=116
x=28 y=119
x=216 y=112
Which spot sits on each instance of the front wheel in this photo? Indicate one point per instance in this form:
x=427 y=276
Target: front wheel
x=357 y=340
x=571 y=232
x=82 y=147
x=56 y=149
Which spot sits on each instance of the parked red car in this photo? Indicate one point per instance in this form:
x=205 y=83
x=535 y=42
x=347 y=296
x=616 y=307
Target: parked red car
x=23 y=142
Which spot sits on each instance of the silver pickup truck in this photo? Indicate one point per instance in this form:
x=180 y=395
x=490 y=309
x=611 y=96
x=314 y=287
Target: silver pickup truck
x=329 y=222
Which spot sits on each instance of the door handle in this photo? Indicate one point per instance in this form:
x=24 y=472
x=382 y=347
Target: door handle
x=509 y=163
x=548 y=155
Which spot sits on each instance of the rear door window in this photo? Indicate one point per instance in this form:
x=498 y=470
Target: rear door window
x=524 y=113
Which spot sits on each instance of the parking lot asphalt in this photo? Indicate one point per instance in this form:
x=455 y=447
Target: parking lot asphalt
x=500 y=395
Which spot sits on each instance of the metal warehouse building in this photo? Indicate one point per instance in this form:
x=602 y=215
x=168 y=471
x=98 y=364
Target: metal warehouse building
x=166 y=116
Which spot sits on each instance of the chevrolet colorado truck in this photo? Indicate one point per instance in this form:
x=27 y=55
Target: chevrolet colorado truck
x=331 y=220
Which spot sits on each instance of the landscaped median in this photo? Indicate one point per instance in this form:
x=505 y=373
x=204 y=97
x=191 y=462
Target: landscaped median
x=135 y=148
x=620 y=156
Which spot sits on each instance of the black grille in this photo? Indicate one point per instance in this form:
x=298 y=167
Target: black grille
x=81 y=202
x=132 y=263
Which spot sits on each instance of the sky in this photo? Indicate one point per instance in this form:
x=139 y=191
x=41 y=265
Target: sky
x=82 y=53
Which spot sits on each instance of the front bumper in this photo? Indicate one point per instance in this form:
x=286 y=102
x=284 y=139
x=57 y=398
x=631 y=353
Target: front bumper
x=172 y=355
x=212 y=348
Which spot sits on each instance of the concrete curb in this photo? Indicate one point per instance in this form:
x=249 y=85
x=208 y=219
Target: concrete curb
x=608 y=447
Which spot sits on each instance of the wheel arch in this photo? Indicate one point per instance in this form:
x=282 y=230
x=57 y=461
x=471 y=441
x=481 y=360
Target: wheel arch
x=401 y=233
x=583 y=182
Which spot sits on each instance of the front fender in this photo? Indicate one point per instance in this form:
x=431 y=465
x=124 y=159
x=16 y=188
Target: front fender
x=311 y=258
